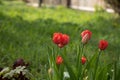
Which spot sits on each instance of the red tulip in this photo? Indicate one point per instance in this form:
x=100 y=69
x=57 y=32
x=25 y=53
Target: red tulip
x=65 y=39
x=85 y=39
x=83 y=60
x=60 y=39
x=86 y=32
x=57 y=38
x=103 y=44
x=59 y=60
x=86 y=35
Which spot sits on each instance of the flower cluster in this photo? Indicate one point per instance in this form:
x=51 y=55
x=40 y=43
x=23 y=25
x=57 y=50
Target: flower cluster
x=56 y=60
x=63 y=39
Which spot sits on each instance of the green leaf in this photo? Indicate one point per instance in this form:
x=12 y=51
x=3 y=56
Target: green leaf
x=101 y=74
x=91 y=62
x=90 y=66
x=69 y=68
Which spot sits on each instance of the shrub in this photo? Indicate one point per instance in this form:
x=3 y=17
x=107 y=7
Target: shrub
x=115 y=4
x=18 y=71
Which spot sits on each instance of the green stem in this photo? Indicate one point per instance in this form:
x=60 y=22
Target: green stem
x=115 y=69
x=79 y=65
x=78 y=54
x=96 y=66
x=82 y=49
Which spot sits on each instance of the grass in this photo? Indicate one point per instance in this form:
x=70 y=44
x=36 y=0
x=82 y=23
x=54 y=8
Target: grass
x=25 y=32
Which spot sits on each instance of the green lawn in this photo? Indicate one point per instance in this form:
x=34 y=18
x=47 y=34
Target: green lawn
x=25 y=32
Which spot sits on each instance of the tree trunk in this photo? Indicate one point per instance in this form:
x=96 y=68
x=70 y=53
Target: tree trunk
x=68 y=3
x=40 y=3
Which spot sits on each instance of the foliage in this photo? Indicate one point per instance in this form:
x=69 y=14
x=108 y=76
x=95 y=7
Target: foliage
x=99 y=8
x=18 y=71
x=115 y=4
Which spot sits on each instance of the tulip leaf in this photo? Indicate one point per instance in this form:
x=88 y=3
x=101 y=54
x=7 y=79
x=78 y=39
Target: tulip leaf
x=91 y=62
x=69 y=68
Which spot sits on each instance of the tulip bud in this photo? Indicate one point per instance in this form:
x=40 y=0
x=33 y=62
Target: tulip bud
x=86 y=35
x=103 y=44
x=86 y=32
x=85 y=39
x=83 y=60
x=59 y=60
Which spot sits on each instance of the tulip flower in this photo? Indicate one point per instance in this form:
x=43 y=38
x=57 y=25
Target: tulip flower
x=57 y=38
x=86 y=32
x=86 y=35
x=65 y=39
x=59 y=60
x=60 y=39
x=83 y=60
x=85 y=39
x=103 y=44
